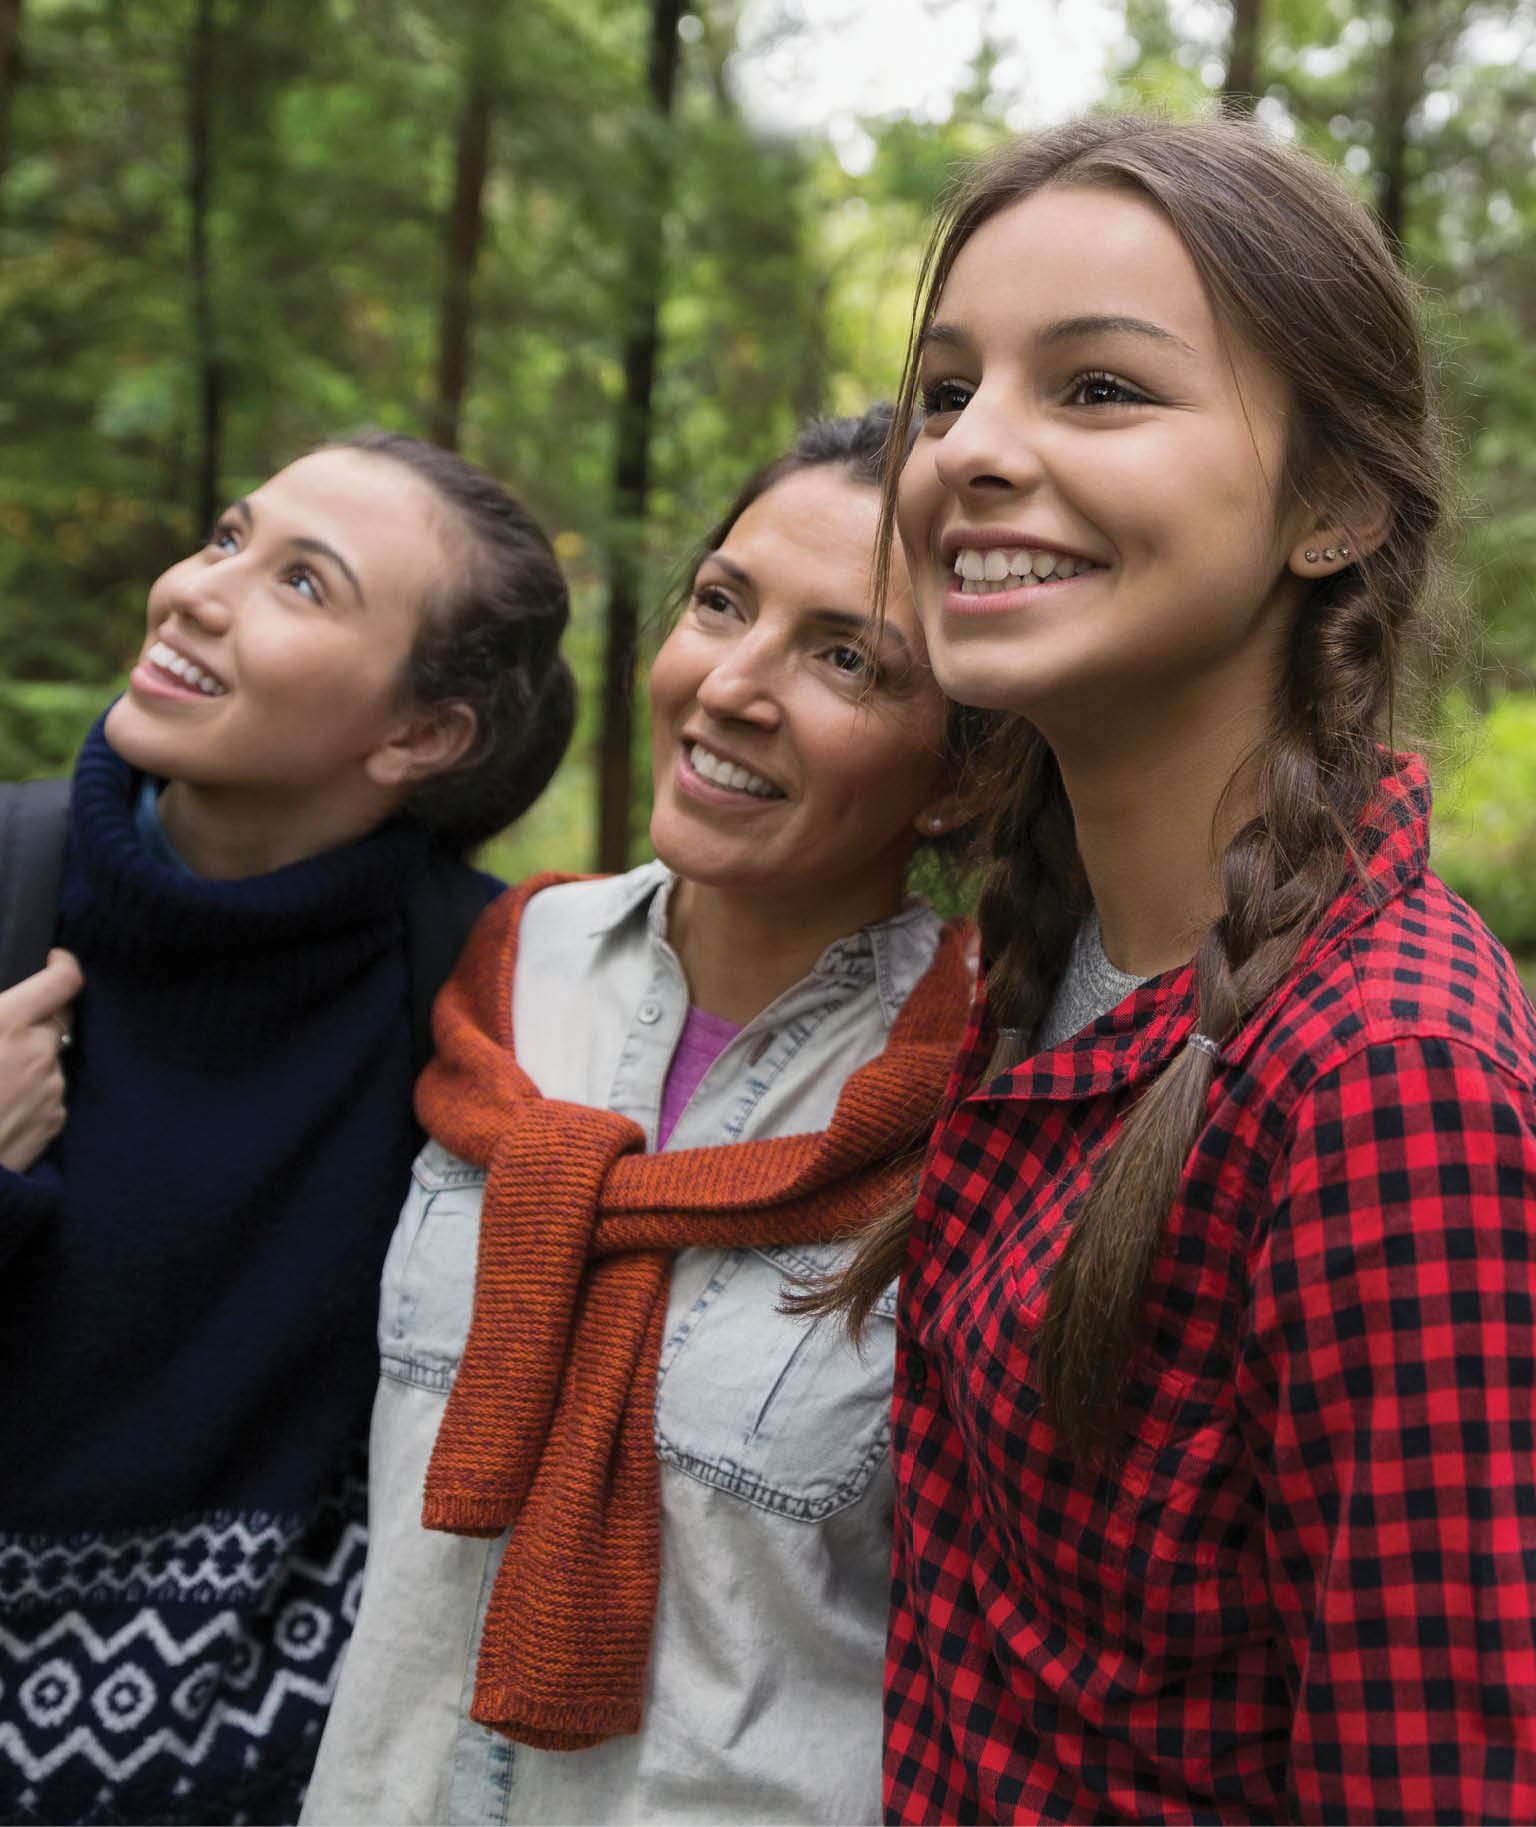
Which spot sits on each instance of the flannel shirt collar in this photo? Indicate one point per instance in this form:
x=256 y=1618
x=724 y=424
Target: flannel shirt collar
x=1137 y=1037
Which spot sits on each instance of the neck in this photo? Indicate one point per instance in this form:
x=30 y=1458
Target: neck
x=740 y=949
x=1153 y=817
x=229 y=833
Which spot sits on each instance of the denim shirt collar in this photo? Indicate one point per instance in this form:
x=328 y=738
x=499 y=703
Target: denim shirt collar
x=894 y=953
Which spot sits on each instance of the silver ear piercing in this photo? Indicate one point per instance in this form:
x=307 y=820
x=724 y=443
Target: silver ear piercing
x=1328 y=554
x=1344 y=552
x=936 y=823
x=1311 y=556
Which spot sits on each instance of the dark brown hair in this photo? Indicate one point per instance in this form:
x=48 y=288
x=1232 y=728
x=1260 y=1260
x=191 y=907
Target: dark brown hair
x=489 y=639
x=1297 y=269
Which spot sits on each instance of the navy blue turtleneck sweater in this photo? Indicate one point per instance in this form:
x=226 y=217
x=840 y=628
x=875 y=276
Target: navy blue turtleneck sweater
x=188 y=1352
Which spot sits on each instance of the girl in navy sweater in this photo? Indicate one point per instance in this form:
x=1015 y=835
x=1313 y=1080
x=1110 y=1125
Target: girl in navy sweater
x=354 y=681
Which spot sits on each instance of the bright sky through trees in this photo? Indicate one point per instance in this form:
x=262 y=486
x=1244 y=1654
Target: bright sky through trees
x=820 y=66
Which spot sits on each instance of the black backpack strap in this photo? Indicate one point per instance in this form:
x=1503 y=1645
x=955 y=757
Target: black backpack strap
x=444 y=905
x=34 y=822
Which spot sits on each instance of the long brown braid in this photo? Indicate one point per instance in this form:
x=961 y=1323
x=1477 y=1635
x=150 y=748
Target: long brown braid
x=1297 y=269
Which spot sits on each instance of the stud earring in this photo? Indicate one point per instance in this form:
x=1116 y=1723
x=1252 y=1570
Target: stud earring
x=1328 y=554
x=1310 y=556
x=936 y=823
x=1344 y=552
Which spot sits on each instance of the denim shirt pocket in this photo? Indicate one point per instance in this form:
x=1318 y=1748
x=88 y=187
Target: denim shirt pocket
x=429 y=1274
x=781 y=1412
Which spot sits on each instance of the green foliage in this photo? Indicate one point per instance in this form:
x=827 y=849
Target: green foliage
x=787 y=288
x=41 y=726
x=1485 y=818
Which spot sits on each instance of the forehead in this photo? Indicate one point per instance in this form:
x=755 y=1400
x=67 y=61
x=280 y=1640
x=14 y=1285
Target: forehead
x=817 y=521
x=1076 y=251
x=810 y=540
x=370 y=507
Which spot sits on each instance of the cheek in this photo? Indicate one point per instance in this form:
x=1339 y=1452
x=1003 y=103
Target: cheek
x=315 y=684
x=674 y=679
x=917 y=495
x=879 y=778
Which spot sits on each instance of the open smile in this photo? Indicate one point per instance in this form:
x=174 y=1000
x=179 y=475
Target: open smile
x=716 y=779
x=171 y=670
x=981 y=572
x=995 y=578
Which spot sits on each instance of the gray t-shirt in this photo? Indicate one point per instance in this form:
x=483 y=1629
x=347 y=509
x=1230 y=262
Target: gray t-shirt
x=1090 y=987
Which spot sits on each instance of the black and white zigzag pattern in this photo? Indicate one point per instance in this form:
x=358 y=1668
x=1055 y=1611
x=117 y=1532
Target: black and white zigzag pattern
x=179 y=1674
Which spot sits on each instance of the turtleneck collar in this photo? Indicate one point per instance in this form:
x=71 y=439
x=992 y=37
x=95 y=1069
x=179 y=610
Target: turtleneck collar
x=120 y=896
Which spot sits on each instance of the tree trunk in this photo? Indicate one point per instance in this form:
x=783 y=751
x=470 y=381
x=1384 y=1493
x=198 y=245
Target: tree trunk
x=631 y=474
x=465 y=223
x=201 y=67
x=1242 y=78
x=1399 y=91
x=10 y=76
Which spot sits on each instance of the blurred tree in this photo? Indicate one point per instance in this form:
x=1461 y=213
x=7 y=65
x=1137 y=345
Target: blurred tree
x=632 y=456
x=10 y=75
x=1241 y=82
x=1402 y=84
x=461 y=250
x=202 y=71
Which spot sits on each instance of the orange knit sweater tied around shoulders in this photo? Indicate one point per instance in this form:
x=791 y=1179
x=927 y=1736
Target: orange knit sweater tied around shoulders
x=548 y=1429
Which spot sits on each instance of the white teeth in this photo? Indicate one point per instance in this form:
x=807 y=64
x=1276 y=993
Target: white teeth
x=724 y=773
x=999 y=567
x=168 y=660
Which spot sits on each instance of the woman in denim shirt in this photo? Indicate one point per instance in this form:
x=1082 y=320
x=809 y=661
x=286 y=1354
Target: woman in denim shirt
x=723 y=994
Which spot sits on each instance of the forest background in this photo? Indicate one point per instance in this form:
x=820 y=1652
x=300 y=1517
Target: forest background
x=551 y=234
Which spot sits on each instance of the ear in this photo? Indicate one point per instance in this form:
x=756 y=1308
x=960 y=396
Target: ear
x=423 y=743
x=949 y=812
x=1340 y=536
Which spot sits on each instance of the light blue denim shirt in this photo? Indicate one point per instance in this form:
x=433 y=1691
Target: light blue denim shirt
x=763 y=1699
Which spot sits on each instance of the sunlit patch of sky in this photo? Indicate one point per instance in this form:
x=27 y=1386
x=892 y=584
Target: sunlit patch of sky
x=823 y=67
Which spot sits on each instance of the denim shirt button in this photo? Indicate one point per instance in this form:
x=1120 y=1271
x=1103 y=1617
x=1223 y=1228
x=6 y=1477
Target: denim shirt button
x=916 y=1367
x=649 y=1012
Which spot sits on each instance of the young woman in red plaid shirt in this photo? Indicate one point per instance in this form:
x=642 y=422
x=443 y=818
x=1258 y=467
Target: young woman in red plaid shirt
x=1214 y=1413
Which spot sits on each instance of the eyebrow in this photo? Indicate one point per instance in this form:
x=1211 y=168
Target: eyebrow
x=1065 y=329
x=242 y=507
x=842 y=621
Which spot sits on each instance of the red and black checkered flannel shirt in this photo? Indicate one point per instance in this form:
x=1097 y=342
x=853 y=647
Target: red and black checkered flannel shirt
x=1308 y=1590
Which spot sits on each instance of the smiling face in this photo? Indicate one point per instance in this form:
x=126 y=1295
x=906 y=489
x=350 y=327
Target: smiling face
x=273 y=661
x=796 y=751
x=1091 y=514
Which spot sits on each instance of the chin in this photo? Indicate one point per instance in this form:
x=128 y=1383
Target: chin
x=144 y=742
x=125 y=730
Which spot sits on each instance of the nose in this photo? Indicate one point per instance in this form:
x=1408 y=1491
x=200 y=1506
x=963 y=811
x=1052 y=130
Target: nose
x=742 y=685
x=991 y=447
x=197 y=591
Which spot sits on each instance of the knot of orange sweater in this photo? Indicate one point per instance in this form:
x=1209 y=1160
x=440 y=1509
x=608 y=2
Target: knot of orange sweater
x=548 y=1429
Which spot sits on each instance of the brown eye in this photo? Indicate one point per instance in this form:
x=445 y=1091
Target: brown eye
x=1097 y=389
x=944 y=397
x=850 y=659
x=714 y=599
